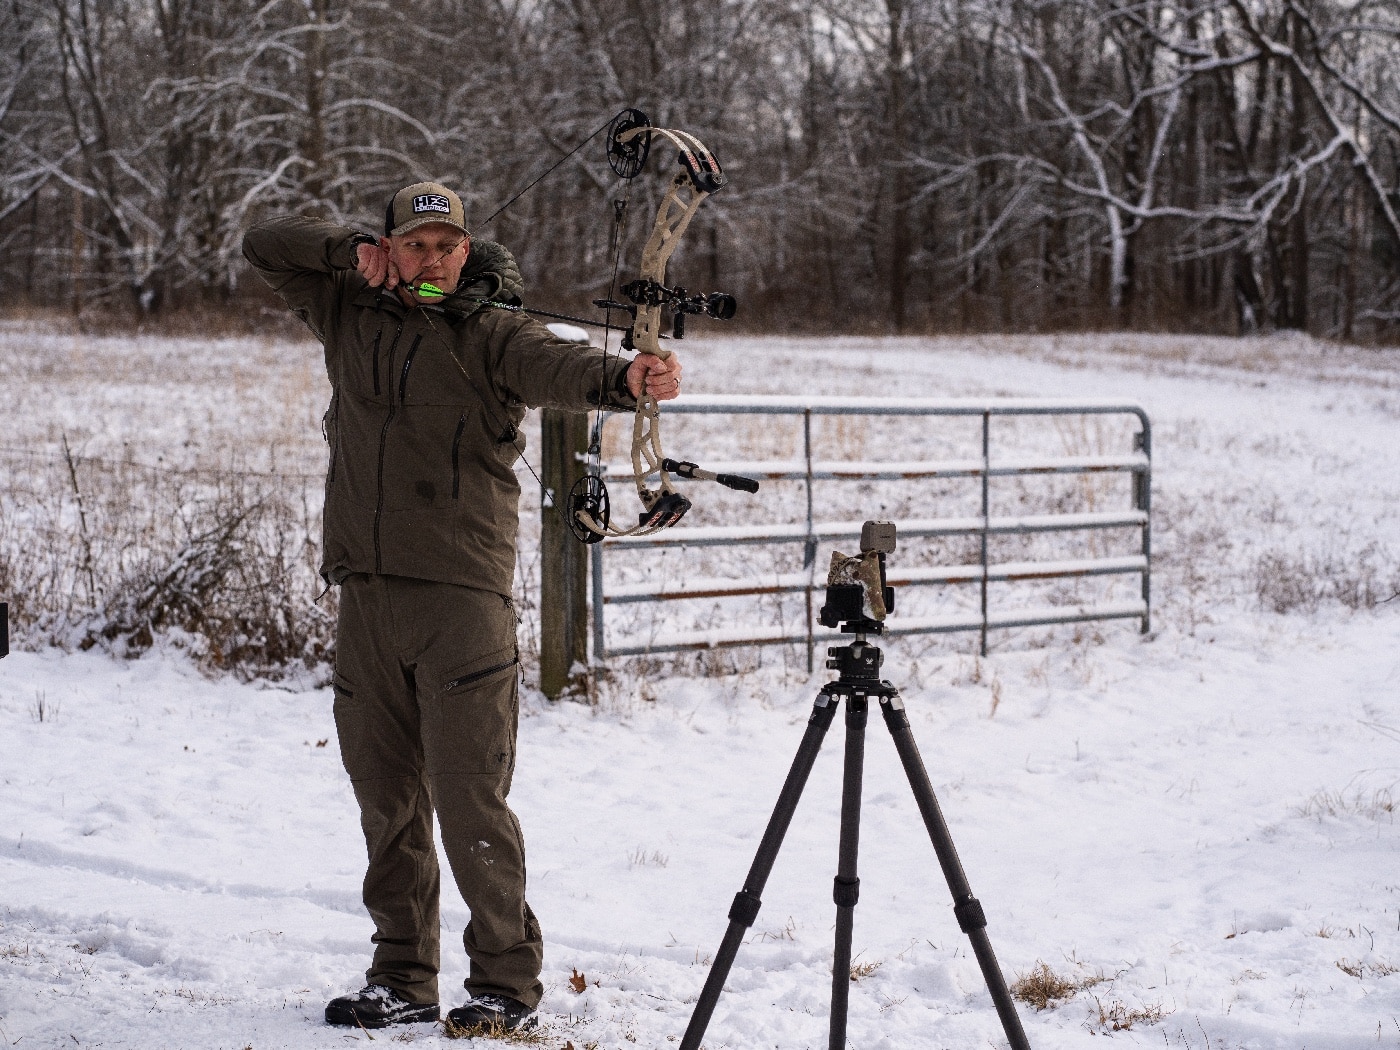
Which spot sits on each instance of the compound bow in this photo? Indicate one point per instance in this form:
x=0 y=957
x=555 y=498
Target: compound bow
x=630 y=137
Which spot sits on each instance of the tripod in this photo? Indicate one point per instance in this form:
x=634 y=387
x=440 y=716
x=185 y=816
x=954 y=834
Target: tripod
x=859 y=683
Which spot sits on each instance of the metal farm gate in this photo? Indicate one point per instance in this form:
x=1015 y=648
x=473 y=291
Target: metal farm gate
x=985 y=466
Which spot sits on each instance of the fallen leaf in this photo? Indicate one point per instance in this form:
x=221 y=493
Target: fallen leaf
x=578 y=982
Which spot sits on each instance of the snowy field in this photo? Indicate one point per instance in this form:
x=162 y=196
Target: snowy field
x=1194 y=829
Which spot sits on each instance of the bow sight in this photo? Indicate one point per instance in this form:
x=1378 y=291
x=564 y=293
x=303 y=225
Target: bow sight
x=720 y=305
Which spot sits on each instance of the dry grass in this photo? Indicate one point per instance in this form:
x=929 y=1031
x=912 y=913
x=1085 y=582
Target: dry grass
x=861 y=970
x=1360 y=970
x=535 y=1036
x=164 y=491
x=219 y=564
x=1379 y=804
x=1117 y=1016
x=642 y=857
x=1043 y=988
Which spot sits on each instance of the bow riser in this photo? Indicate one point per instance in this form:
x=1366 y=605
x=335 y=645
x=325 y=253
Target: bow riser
x=678 y=207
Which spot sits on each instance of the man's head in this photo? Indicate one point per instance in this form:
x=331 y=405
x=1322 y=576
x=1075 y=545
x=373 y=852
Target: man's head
x=425 y=233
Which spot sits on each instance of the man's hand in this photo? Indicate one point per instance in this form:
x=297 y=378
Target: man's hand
x=373 y=264
x=661 y=377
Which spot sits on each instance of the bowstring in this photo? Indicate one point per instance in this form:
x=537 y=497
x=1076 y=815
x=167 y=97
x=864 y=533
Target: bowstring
x=549 y=171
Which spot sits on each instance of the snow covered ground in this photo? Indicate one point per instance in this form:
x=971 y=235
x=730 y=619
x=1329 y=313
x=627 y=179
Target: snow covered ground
x=1195 y=826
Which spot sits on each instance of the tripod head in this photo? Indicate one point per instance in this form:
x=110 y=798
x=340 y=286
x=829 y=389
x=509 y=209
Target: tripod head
x=857 y=596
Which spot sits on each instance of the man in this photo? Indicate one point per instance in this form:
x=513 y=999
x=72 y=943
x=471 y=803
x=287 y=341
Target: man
x=430 y=380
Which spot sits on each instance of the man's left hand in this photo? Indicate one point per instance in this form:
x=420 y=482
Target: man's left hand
x=659 y=376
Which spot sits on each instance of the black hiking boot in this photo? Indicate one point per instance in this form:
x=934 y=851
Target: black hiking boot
x=377 y=1006
x=492 y=1013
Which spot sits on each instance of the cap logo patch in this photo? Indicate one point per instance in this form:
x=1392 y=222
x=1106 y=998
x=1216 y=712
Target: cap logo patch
x=431 y=202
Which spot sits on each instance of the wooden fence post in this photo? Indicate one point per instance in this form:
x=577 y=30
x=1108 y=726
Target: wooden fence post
x=563 y=559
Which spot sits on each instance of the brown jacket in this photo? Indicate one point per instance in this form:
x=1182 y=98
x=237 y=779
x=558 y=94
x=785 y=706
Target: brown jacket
x=426 y=405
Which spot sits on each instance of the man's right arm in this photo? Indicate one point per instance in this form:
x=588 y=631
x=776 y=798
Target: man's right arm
x=299 y=259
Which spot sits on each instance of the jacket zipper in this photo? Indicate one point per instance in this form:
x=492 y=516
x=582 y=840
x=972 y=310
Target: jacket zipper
x=374 y=362
x=407 y=364
x=456 y=452
x=383 y=444
x=476 y=675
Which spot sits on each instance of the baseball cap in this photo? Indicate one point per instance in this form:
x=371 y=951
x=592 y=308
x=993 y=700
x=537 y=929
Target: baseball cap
x=422 y=203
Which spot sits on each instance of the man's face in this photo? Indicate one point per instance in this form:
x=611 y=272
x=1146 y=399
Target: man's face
x=434 y=253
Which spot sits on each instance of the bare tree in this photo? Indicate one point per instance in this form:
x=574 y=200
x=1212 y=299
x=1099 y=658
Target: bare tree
x=895 y=164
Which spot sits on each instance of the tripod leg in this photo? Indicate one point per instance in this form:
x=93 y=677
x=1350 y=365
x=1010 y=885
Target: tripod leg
x=966 y=907
x=746 y=902
x=846 y=889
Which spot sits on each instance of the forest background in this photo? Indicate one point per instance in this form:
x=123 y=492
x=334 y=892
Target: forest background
x=1222 y=166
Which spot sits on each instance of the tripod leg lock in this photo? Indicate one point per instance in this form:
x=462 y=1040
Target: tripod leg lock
x=846 y=892
x=744 y=910
x=970 y=915
x=895 y=715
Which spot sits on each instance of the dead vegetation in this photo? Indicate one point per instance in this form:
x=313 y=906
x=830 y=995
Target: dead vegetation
x=1305 y=581
x=1360 y=970
x=219 y=564
x=1379 y=804
x=1044 y=989
x=1117 y=1016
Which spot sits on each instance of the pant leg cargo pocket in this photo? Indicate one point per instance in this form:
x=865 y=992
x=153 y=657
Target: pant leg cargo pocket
x=470 y=716
x=351 y=730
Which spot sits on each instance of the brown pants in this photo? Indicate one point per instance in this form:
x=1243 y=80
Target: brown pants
x=426 y=707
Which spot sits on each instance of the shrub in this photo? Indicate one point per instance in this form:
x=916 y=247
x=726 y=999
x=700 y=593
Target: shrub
x=1304 y=581
x=111 y=554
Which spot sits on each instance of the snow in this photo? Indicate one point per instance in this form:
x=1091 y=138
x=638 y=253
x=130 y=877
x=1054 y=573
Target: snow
x=1202 y=817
